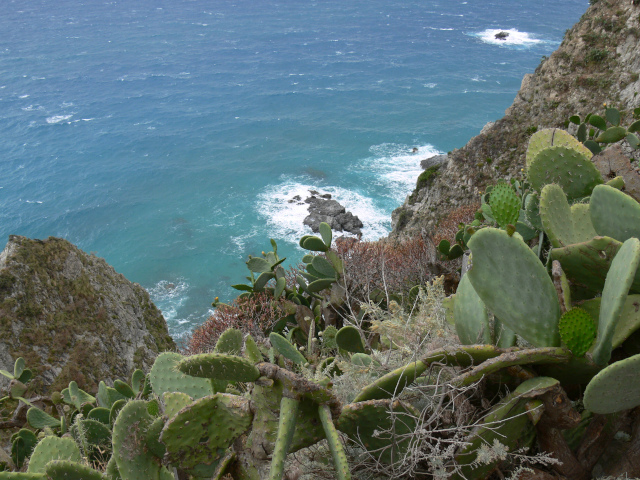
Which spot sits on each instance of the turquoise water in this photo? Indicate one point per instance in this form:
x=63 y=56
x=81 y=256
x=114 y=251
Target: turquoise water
x=168 y=137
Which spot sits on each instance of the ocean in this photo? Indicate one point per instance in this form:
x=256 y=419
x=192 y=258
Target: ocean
x=169 y=136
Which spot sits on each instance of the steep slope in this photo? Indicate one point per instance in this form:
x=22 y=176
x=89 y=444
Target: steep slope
x=596 y=63
x=72 y=317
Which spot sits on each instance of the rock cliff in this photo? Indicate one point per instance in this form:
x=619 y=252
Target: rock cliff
x=596 y=63
x=72 y=317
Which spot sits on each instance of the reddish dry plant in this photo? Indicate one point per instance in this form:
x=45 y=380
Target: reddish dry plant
x=252 y=315
x=392 y=266
x=449 y=225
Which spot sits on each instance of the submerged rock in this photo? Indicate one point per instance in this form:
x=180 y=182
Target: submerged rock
x=73 y=317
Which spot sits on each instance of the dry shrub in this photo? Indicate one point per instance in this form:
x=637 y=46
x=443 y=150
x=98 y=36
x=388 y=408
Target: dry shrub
x=252 y=315
x=449 y=225
x=392 y=266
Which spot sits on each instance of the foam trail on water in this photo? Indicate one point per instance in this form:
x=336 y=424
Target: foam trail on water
x=169 y=297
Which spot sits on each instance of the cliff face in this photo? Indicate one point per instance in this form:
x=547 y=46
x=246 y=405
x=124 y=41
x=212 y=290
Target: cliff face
x=72 y=317
x=597 y=62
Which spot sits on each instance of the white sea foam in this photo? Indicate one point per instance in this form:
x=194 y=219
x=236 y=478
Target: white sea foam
x=170 y=296
x=284 y=218
x=515 y=38
x=33 y=201
x=430 y=85
x=24 y=96
x=58 y=118
x=398 y=167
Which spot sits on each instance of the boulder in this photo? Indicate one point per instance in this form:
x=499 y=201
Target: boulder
x=73 y=317
x=322 y=208
x=435 y=161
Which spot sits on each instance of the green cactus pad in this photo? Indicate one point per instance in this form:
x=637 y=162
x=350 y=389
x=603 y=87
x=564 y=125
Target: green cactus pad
x=532 y=210
x=515 y=286
x=471 y=317
x=507 y=423
x=22 y=476
x=286 y=429
x=567 y=167
x=349 y=339
x=309 y=429
x=391 y=384
x=100 y=414
x=219 y=366
x=174 y=402
x=152 y=438
x=383 y=427
x=53 y=448
x=315 y=244
x=629 y=320
x=230 y=342
x=115 y=410
x=614 y=213
x=362 y=360
x=123 y=389
x=194 y=435
x=75 y=396
x=577 y=330
x=504 y=336
x=555 y=214
x=615 y=388
x=505 y=204
x=129 y=445
x=325 y=233
x=324 y=268
x=583 y=230
x=67 y=470
x=39 y=419
x=165 y=377
x=335 y=445
x=284 y=348
x=111 y=471
x=550 y=137
x=252 y=351
x=96 y=434
x=616 y=288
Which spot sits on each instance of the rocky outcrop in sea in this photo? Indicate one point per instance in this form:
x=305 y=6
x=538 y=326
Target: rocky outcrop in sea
x=323 y=208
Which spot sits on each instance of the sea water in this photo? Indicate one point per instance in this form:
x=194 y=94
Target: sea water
x=170 y=136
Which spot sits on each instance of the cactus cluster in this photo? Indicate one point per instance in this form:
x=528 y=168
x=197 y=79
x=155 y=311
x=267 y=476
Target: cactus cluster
x=551 y=292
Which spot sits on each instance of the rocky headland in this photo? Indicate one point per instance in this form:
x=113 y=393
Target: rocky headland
x=323 y=208
x=596 y=64
x=73 y=317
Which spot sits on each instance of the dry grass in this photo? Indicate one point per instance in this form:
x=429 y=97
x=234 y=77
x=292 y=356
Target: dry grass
x=449 y=225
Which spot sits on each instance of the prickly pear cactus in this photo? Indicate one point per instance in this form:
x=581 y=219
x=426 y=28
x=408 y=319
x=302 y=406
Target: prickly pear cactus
x=569 y=168
x=549 y=137
x=615 y=388
x=53 y=448
x=505 y=204
x=577 y=331
x=614 y=214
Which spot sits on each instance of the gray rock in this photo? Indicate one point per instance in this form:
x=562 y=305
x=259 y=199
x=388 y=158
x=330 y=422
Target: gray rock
x=73 y=317
x=436 y=160
x=323 y=209
x=612 y=162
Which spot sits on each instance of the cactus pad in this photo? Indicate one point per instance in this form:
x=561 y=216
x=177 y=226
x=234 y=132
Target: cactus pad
x=616 y=288
x=555 y=214
x=505 y=204
x=39 y=419
x=615 y=388
x=129 y=445
x=230 y=342
x=614 y=213
x=53 y=448
x=567 y=167
x=284 y=348
x=349 y=339
x=471 y=317
x=219 y=366
x=195 y=435
x=68 y=470
x=515 y=286
x=383 y=427
x=577 y=331
x=550 y=137
x=165 y=377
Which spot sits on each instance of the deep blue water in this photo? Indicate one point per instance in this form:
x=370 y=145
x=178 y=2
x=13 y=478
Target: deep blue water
x=167 y=136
